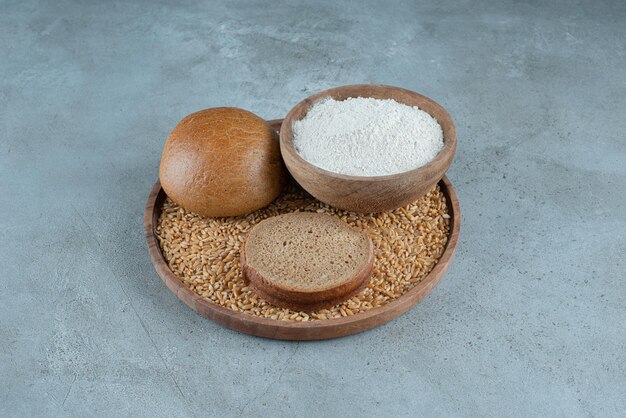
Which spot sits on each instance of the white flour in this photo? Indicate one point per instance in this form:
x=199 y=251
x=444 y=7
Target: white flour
x=367 y=137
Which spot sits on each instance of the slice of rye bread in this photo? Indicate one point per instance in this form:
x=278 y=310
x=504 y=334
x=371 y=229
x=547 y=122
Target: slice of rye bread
x=306 y=261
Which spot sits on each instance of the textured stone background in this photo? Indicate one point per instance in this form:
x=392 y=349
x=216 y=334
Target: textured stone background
x=530 y=320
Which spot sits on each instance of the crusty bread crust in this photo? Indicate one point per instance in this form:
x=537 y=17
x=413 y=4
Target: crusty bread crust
x=222 y=162
x=307 y=300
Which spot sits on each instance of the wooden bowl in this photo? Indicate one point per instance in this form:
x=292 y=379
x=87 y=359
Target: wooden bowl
x=291 y=330
x=367 y=194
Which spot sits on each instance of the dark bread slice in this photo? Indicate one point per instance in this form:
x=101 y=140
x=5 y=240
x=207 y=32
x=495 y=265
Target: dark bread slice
x=306 y=261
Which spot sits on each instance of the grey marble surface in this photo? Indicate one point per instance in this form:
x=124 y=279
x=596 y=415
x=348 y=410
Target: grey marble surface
x=530 y=319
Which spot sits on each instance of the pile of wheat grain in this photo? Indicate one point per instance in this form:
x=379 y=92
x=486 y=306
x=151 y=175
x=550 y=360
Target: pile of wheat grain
x=204 y=252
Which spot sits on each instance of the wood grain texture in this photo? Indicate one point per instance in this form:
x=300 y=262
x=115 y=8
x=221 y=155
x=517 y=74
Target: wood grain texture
x=288 y=330
x=367 y=194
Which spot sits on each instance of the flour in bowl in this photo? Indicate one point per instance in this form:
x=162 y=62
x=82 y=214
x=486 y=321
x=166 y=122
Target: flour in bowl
x=367 y=137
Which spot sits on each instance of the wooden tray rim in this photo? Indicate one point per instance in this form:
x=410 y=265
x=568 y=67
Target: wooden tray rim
x=292 y=330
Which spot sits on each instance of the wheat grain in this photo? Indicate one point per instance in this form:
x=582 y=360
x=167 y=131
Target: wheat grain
x=204 y=252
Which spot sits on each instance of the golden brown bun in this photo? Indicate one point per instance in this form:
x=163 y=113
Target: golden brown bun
x=222 y=162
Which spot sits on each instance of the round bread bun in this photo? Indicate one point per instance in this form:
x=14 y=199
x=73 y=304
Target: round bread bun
x=222 y=162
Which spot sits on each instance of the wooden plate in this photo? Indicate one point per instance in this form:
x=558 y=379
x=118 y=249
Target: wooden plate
x=292 y=330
